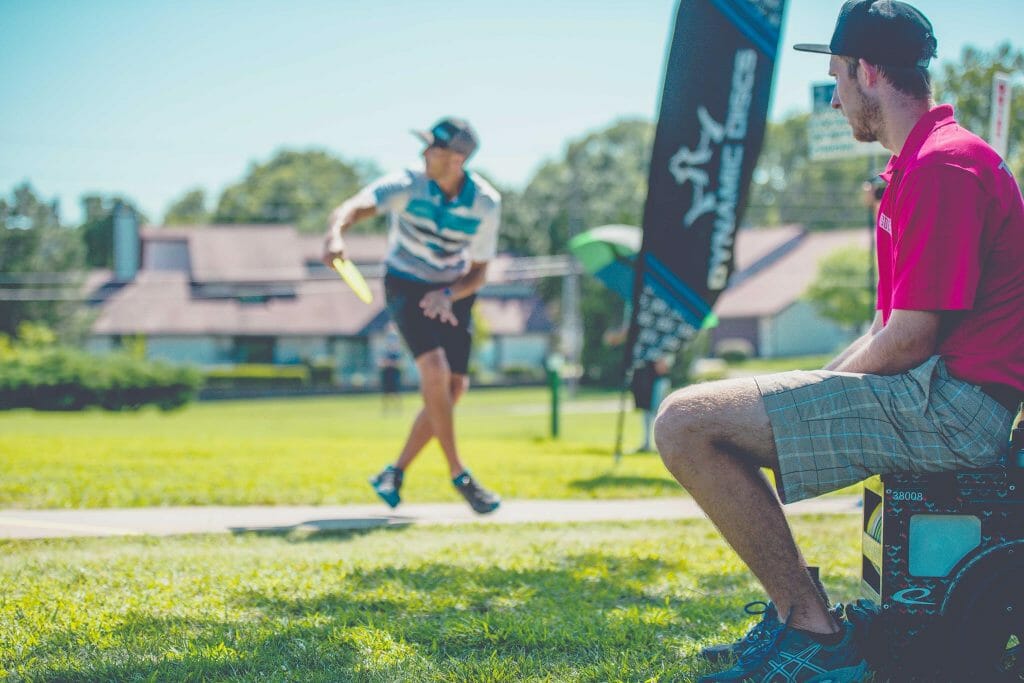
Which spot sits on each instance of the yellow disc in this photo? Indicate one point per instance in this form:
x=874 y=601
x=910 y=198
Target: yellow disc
x=354 y=279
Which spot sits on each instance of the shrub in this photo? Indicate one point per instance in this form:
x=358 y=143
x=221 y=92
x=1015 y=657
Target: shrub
x=321 y=371
x=708 y=369
x=734 y=350
x=258 y=376
x=61 y=378
x=523 y=372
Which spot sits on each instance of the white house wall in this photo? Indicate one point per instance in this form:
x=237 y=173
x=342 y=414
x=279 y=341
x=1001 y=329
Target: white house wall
x=798 y=330
x=294 y=350
x=525 y=350
x=190 y=350
x=355 y=366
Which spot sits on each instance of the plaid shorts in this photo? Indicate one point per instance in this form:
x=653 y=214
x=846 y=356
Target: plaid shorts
x=834 y=429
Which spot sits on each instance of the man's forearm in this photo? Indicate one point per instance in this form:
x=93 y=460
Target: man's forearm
x=857 y=344
x=470 y=283
x=348 y=214
x=884 y=354
x=853 y=348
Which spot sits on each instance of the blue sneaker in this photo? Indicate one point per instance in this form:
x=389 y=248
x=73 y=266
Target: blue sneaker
x=387 y=485
x=730 y=652
x=787 y=655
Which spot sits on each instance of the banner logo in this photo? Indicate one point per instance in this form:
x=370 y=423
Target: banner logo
x=689 y=166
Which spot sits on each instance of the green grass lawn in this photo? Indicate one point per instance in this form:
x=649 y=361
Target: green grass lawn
x=314 y=451
x=586 y=602
x=763 y=366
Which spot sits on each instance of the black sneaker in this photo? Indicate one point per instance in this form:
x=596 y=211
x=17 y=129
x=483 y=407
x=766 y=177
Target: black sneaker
x=480 y=499
x=790 y=655
x=387 y=485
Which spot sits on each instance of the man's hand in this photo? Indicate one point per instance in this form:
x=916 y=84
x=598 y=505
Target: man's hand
x=438 y=304
x=334 y=247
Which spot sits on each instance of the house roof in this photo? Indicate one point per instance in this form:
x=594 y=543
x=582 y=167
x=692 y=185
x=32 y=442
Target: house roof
x=770 y=289
x=754 y=244
x=247 y=280
x=259 y=252
x=161 y=303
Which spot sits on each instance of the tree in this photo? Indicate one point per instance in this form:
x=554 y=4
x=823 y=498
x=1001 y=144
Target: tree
x=840 y=291
x=97 y=231
x=189 y=209
x=601 y=179
x=299 y=188
x=789 y=187
x=603 y=173
x=40 y=261
x=967 y=85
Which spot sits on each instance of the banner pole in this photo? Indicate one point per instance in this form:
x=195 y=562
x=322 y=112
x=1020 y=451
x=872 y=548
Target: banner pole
x=621 y=425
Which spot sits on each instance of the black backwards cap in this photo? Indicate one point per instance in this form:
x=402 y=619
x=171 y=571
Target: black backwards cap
x=883 y=32
x=451 y=133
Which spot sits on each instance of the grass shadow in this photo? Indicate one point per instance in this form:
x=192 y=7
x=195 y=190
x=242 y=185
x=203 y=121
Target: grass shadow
x=590 y=616
x=328 y=529
x=610 y=480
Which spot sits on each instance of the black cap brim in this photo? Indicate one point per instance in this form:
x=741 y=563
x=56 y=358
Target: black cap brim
x=424 y=135
x=813 y=47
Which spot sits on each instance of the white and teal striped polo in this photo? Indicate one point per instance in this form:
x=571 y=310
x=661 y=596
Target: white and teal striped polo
x=433 y=239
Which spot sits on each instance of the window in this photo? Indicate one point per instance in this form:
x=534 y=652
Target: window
x=253 y=350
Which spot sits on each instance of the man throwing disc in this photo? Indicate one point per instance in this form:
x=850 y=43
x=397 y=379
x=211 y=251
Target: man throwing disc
x=443 y=231
x=933 y=385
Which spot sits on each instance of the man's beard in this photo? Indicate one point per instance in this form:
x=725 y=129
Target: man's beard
x=867 y=121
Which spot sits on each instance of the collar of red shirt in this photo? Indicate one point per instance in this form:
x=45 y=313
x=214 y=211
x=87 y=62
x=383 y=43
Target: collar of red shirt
x=937 y=116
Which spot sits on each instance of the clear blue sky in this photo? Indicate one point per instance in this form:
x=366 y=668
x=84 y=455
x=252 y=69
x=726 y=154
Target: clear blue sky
x=149 y=98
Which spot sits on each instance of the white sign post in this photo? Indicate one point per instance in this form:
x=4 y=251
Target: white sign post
x=828 y=132
x=999 y=125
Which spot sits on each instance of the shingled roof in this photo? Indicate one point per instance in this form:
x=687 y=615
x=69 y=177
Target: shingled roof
x=253 y=280
x=161 y=303
x=776 y=285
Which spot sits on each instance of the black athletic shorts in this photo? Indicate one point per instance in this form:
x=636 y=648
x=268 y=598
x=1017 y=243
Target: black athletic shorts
x=421 y=334
x=645 y=378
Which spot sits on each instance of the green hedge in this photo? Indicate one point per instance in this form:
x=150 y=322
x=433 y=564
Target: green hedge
x=59 y=378
x=257 y=376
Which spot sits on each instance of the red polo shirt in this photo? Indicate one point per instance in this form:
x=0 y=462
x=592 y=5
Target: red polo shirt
x=951 y=238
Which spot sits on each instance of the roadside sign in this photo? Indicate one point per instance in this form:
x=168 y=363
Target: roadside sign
x=999 y=125
x=828 y=132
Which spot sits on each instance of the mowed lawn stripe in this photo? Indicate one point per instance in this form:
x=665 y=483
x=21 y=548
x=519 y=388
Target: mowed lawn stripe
x=316 y=451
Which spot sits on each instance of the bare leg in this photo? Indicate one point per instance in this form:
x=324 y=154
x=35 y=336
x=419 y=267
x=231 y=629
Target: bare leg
x=440 y=389
x=714 y=438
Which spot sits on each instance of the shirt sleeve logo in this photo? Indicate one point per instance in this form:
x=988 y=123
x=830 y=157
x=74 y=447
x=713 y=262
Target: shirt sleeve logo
x=885 y=223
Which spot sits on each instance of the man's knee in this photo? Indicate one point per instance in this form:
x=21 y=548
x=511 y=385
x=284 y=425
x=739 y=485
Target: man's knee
x=699 y=420
x=433 y=367
x=679 y=428
x=459 y=386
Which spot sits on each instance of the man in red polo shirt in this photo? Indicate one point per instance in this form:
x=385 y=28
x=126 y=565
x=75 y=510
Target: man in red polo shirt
x=933 y=385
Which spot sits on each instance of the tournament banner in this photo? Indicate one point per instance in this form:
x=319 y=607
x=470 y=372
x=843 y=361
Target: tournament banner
x=714 y=106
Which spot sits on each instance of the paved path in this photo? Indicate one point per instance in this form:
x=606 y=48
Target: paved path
x=194 y=520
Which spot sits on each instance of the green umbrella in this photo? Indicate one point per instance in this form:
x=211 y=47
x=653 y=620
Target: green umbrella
x=608 y=253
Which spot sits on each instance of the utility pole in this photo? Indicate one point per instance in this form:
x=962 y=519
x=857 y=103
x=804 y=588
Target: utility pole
x=572 y=323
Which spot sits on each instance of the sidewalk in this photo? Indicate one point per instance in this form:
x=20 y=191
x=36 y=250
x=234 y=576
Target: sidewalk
x=169 y=521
